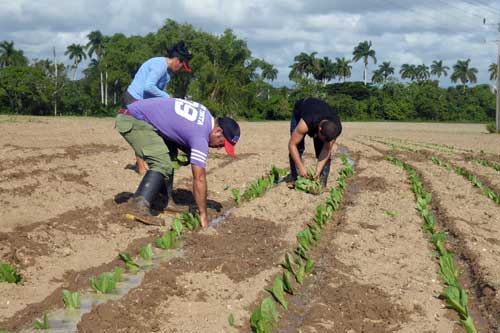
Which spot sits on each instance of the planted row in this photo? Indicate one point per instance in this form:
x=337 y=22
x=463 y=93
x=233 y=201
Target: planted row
x=258 y=187
x=308 y=184
x=472 y=178
x=486 y=163
x=454 y=294
x=298 y=264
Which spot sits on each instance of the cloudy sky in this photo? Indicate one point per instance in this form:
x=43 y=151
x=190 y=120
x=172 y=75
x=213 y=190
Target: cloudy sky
x=402 y=31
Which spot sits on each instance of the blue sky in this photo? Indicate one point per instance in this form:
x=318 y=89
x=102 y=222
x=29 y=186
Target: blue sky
x=401 y=31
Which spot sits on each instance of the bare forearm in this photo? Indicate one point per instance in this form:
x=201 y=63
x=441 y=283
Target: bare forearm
x=200 y=196
x=294 y=153
x=324 y=155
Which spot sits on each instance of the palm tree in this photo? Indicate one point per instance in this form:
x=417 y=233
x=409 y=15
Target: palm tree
x=378 y=76
x=96 y=45
x=422 y=72
x=75 y=51
x=386 y=70
x=464 y=73
x=269 y=72
x=9 y=56
x=304 y=64
x=343 y=68
x=438 y=69
x=493 y=70
x=325 y=70
x=408 y=72
x=363 y=51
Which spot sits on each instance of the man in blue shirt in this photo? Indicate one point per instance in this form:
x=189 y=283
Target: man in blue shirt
x=152 y=78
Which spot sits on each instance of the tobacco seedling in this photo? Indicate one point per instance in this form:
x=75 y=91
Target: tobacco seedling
x=307 y=185
x=309 y=266
x=300 y=274
x=191 y=221
x=129 y=262
x=448 y=271
x=146 y=252
x=264 y=317
x=71 y=300
x=177 y=226
x=278 y=292
x=9 y=274
x=287 y=282
x=166 y=241
x=438 y=240
x=230 y=320
x=305 y=238
x=42 y=325
x=235 y=193
x=106 y=282
x=456 y=299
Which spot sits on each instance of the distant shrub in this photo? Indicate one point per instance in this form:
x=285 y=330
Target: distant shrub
x=491 y=127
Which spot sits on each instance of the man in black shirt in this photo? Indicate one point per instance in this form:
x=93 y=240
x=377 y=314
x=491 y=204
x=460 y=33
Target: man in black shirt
x=315 y=118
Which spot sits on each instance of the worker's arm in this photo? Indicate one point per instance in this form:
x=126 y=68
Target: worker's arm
x=324 y=155
x=200 y=192
x=297 y=136
x=150 y=86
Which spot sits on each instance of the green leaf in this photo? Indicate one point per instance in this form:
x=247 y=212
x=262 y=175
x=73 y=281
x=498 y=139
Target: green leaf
x=268 y=311
x=278 y=292
x=287 y=282
x=177 y=226
x=299 y=276
x=309 y=266
x=42 y=325
x=105 y=282
x=307 y=185
x=129 y=263
x=456 y=299
x=468 y=324
x=438 y=239
x=71 y=300
x=304 y=238
x=449 y=272
x=166 y=241
x=9 y=274
x=146 y=252
x=230 y=320
x=235 y=193
x=286 y=264
x=301 y=252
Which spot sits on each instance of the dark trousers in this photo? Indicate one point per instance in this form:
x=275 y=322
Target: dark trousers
x=318 y=146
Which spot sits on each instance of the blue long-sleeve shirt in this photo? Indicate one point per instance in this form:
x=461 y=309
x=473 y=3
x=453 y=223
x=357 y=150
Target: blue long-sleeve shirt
x=150 y=80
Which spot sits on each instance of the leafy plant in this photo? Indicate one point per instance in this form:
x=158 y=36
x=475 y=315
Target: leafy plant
x=235 y=193
x=278 y=291
x=308 y=185
x=9 y=274
x=230 y=320
x=305 y=238
x=449 y=272
x=300 y=274
x=190 y=221
x=309 y=266
x=42 y=325
x=438 y=240
x=166 y=241
x=146 y=252
x=129 y=262
x=287 y=282
x=106 y=282
x=264 y=317
x=177 y=226
x=456 y=299
x=71 y=300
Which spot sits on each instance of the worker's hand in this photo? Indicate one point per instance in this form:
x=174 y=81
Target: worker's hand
x=204 y=220
x=316 y=176
x=303 y=172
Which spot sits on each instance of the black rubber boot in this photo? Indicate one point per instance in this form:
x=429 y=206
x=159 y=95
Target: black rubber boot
x=148 y=188
x=323 y=176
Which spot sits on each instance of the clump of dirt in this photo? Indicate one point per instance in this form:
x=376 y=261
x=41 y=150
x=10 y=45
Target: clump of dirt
x=374 y=184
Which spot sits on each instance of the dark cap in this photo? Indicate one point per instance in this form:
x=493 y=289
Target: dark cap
x=231 y=131
x=180 y=51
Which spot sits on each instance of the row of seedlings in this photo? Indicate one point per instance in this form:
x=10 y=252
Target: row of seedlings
x=106 y=282
x=472 y=178
x=299 y=263
x=259 y=186
x=454 y=294
x=485 y=163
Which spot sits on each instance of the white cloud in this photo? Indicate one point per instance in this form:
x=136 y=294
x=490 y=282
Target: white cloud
x=402 y=31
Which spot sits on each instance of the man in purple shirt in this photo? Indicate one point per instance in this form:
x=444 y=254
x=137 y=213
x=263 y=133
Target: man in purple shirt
x=145 y=125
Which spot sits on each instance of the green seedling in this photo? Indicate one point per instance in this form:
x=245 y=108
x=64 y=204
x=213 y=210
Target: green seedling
x=315 y=231
x=230 y=320
x=177 y=226
x=265 y=317
x=287 y=264
x=448 y=271
x=278 y=173
x=146 y=252
x=278 y=292
x=305 y=238
x=9 y=274
x=166 y=241
x=456 y=299
x=301 y=252
x=180 y=160
x=287 y=282
x=438 y=240
x=391 y=214
x=235 y=193
x=42 y=325
x=309 y=267
x=129 y=262
x=190 y=221
x=307 y=185
x=106 y=282
x=71 y=300
x=300 y=274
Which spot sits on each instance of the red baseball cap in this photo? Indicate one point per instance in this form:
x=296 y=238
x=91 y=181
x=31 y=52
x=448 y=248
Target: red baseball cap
x=231 y=132
x=186 y=67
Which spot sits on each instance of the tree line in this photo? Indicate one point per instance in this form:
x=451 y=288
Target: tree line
x=229 y=80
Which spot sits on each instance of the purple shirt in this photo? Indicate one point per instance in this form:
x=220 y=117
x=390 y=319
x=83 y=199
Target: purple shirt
x=184 y=122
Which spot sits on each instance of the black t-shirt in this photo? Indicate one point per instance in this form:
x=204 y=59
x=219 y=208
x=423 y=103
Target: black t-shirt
x=313 y=111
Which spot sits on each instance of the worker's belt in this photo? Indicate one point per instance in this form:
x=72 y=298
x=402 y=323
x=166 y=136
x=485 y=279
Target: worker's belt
x=125 y=111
